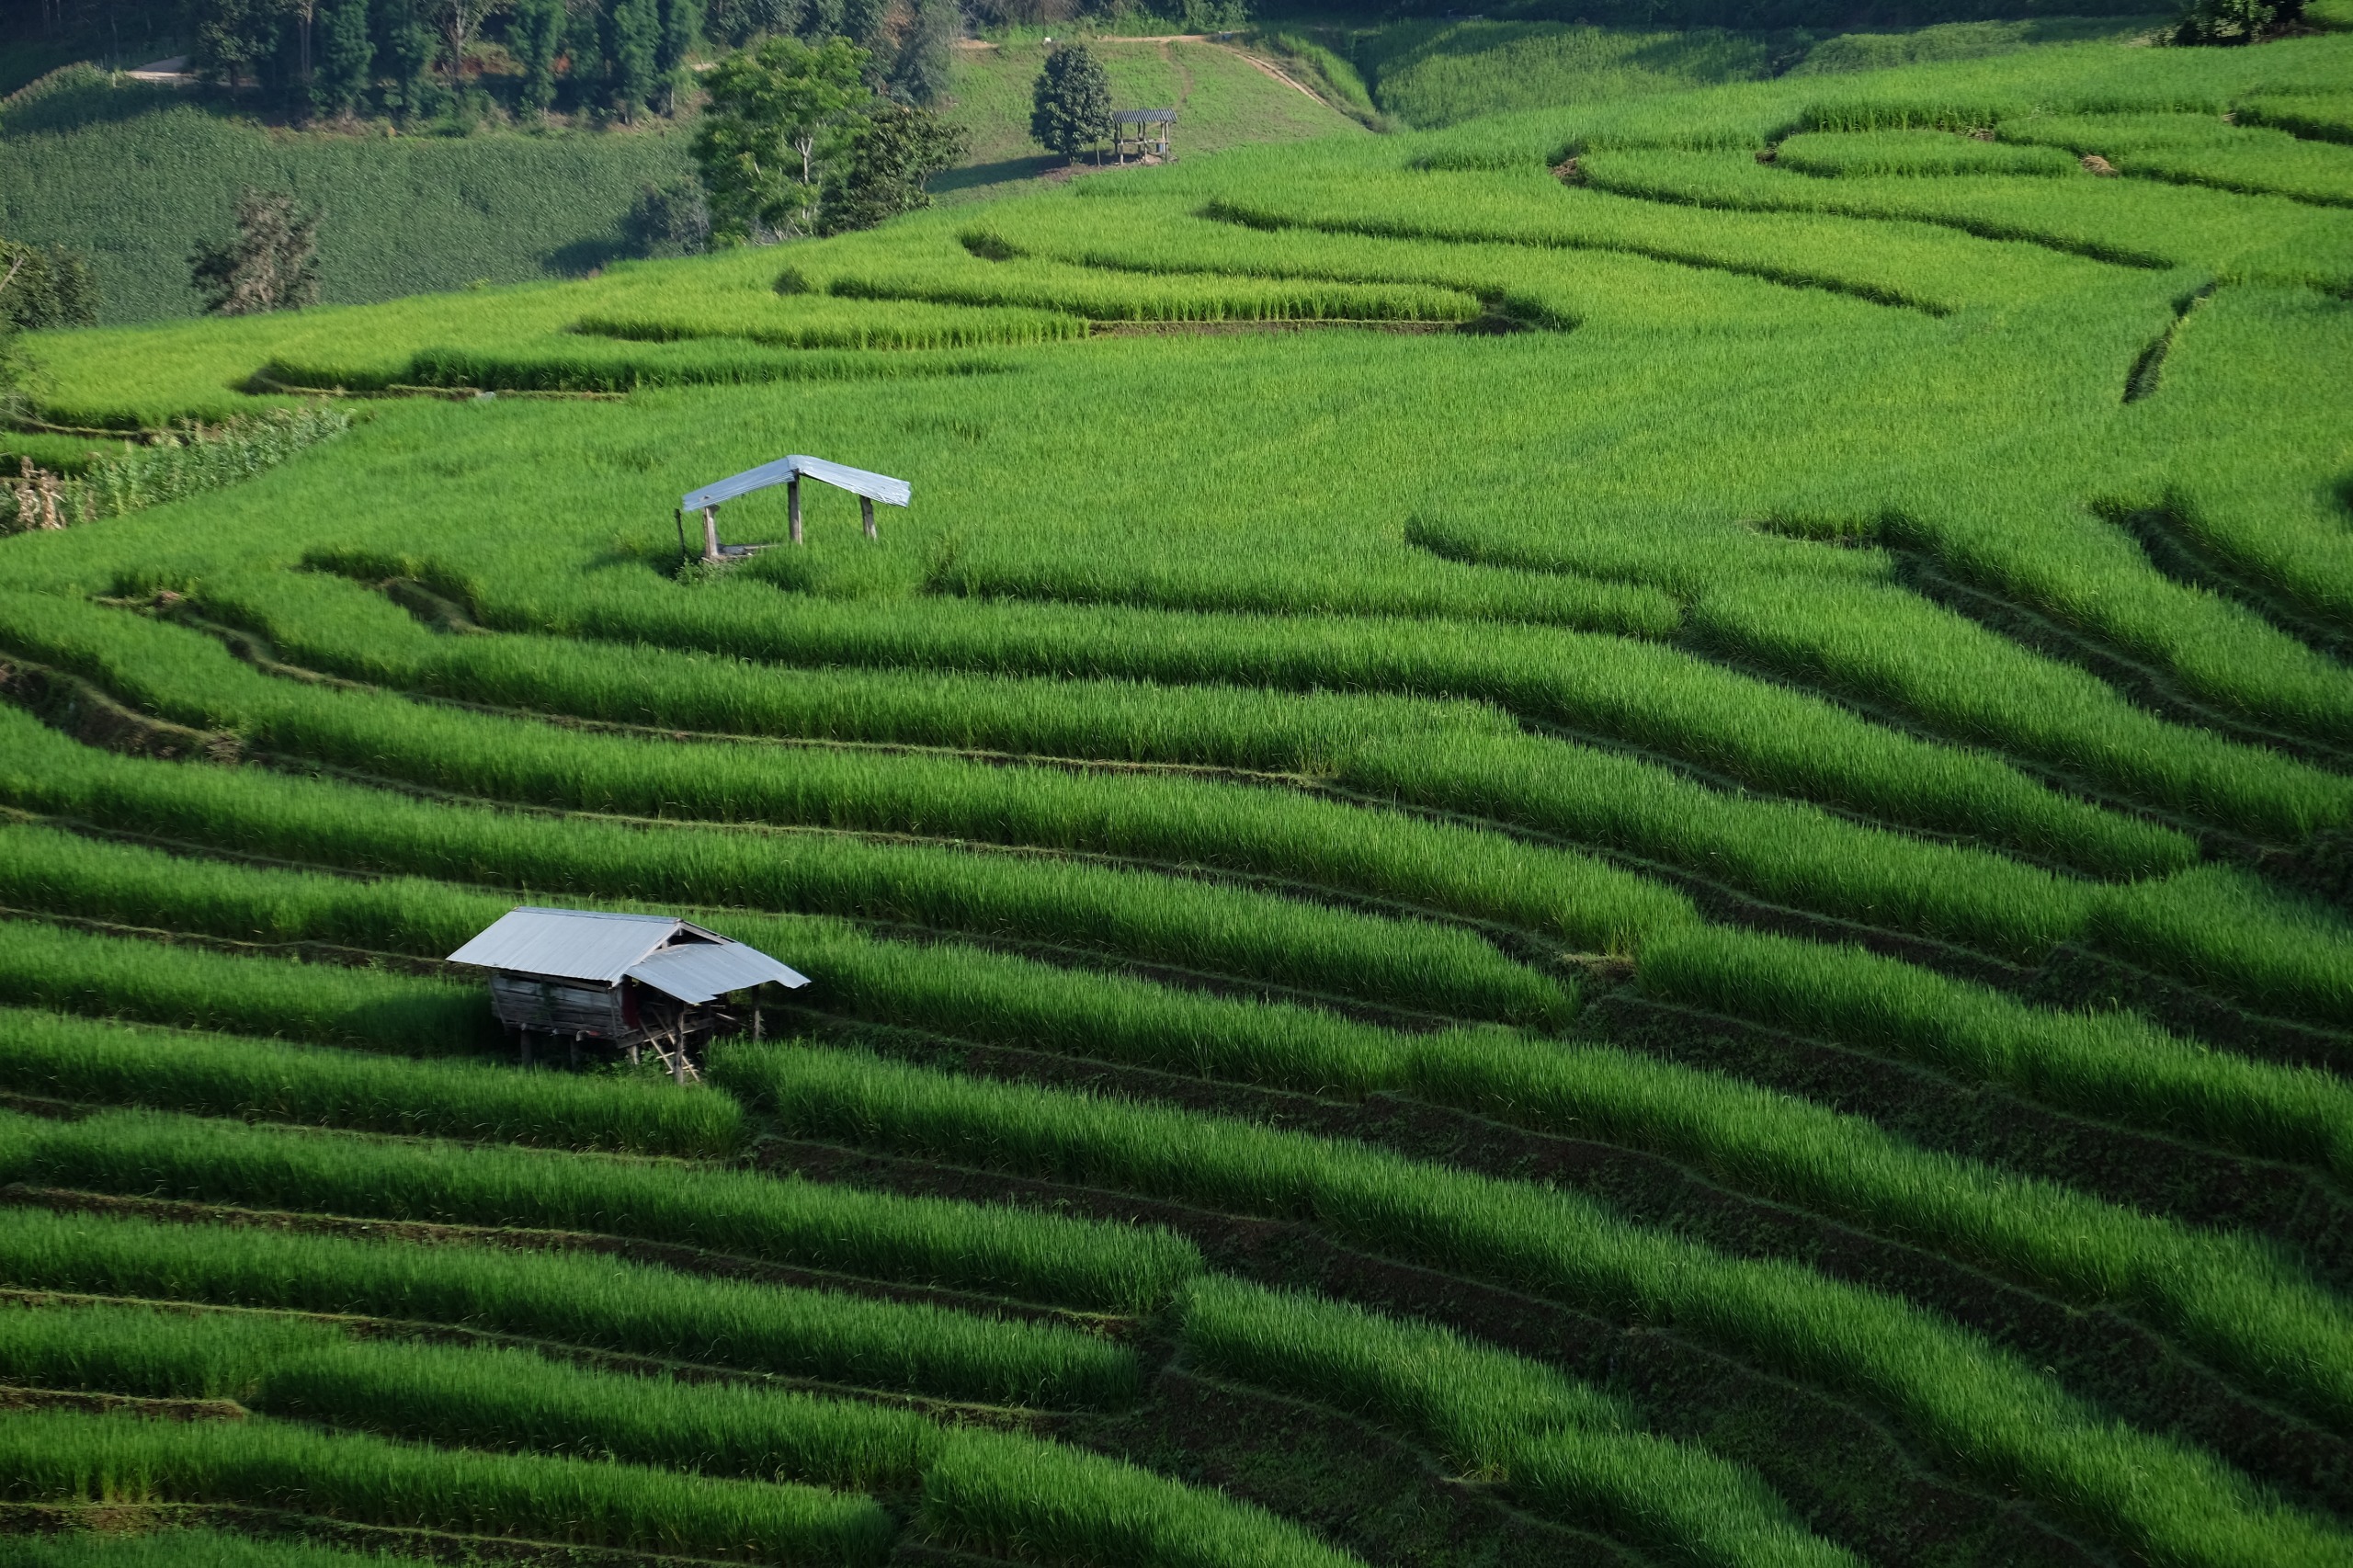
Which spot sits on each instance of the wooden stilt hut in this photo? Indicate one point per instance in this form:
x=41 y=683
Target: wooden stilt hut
x=624 y=982
x=788 y=472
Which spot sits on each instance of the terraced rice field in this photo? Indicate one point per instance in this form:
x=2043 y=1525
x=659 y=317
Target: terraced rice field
x=1618 y=835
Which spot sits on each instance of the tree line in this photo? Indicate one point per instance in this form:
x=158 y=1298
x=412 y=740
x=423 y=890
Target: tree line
x=620 y=61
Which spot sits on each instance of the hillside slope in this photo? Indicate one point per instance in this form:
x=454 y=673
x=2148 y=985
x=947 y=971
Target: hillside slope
x=1616 y=836
x=137 y=177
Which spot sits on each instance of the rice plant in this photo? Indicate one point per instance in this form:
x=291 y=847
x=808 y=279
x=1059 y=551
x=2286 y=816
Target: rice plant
x=593 y=1302
x=789 y=1222
x=1980 y=1406
x=260 y=1080
x=54 y=1457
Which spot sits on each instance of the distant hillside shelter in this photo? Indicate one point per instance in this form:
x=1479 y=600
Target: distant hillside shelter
x=631 y=983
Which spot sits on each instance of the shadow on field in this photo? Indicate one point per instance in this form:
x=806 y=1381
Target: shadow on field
x=1003 y=172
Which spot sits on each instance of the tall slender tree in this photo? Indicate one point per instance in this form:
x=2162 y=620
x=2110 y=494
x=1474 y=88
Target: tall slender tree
x=457 y=22
x=406 y=46
x=681 y=31
x=535 y=36
x=346 y=57
x=233 y=41
x=584 y=40
x=633 y=43
x=926 y=52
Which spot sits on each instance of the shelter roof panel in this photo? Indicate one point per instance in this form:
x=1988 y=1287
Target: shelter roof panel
x=701 y=970
x=571 y=944
x=857 y=481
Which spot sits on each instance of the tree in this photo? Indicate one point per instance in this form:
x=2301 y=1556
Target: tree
x=45 y=288
x=346 y=57
x=681 y=30
x=457 y=21
x=778 y=121
x=535 y=36
x=233 y=40
x=634 y=41
x=668 y=220
x=2236 y=21
x=928 y=51
x=584 y=39
x=1072 y=102
x=405 y=44
x=738 y=22
x=272 y=264
x=894 y=152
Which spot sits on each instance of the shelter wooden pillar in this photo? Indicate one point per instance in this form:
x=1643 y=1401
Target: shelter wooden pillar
x=793 y=505
x=710 y=533
x=866 y=511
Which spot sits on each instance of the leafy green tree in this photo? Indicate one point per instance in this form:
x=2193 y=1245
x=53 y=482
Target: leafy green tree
x=890 y=156
x=535 y=37
x=457 y=22
x=2236 y=21
x=632 y=43
x=406 y=45
x=231 y=41
x=1070 y=105
x=584 y=40
x=681 y=30
x=737 y=22
x=668 y=220
x=778 y=120
x=272 y=264
x=45 y=288
x=346 y=57
x=926 y=52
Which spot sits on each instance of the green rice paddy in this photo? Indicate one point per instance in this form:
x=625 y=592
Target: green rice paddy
x=1624 y=832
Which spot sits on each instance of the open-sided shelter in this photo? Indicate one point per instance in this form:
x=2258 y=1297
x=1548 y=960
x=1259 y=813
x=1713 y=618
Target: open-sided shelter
x=788 y=472
x=1142 y=130
x=630 y=983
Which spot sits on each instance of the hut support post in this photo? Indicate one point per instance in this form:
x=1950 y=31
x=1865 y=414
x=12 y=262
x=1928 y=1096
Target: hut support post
x=679 y=517
x=866 y=511
x=793 y=505
x=710 y=533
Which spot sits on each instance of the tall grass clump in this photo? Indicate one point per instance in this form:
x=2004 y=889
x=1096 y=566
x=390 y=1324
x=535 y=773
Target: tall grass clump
x=978 y=1486
x=1004 y=1494
x=259 y=1080
x=54 y=1457
x=62 y=967
x=1157 y=919
x=465 y=1396
x=948 y=988
x=933 y=1241
x=2110 y=1066
x=1560 y=1444
x=176 y=463
x=46 y=870
x=1978 y=1406
x=593 y=1302
x=1880 y=153
x=2228 y=1297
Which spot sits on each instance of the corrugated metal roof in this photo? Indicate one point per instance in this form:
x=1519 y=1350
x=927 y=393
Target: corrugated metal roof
x=696 y=971
x=572 y=944
x=592 y=945
x=1146 y=117
x=857 y=481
